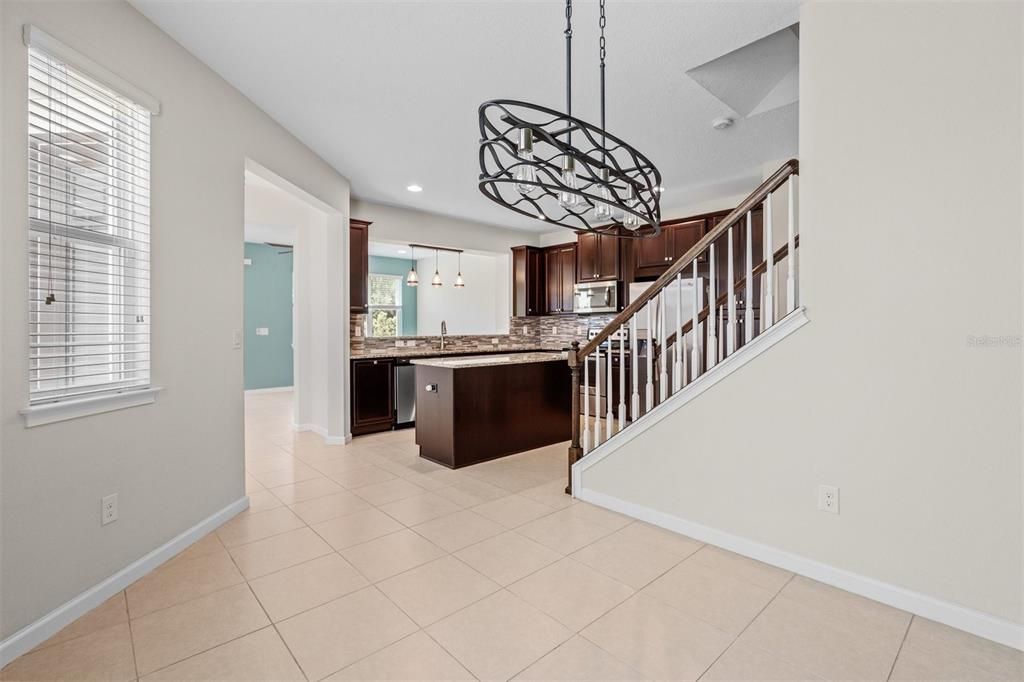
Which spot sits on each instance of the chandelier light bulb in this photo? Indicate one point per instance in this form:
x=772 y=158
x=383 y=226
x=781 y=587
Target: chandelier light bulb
x=436 y=280
x=412 y=279
x=603 y=209
x=525 y=172
x=568 y=200
x=631 y=221
x=459 y=282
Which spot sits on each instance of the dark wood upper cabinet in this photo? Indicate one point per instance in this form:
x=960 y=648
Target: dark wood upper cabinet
x=359 y=264
x=528 y=283
x=560 y=278
x=597 y=257
x=373 y=395
x=684 y=235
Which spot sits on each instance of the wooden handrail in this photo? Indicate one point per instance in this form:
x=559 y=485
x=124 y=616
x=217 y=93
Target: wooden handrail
x=791 y=167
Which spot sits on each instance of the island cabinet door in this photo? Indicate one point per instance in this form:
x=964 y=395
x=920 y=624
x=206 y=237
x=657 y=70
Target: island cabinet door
x=373 y=395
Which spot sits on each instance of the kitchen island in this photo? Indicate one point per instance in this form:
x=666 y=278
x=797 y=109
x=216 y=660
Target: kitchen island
x=474 y=408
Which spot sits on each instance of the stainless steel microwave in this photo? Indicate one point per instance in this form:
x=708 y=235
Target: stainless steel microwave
x=596 y=297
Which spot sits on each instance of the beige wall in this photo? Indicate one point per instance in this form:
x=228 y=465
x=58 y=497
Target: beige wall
x=911 y=222
x=177 y=461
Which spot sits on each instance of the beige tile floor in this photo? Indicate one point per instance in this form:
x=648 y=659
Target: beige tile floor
x=365 y=562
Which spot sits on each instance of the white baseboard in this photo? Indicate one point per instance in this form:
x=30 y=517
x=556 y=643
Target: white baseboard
x=275 y=389
x=771 y=336
x=34 y=634
x=322 y=432
x=975 y=622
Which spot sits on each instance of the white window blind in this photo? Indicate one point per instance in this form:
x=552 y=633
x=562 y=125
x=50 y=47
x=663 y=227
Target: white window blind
x=88 y=199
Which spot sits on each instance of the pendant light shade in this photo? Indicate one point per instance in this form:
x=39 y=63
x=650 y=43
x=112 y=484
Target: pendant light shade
x=436 y=281
x=412 y=279
x=459 y=282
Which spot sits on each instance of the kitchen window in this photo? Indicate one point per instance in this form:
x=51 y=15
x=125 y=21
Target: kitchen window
x=385 y=305
x=89 y=240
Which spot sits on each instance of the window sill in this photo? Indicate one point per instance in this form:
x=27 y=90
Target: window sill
x=39 y=415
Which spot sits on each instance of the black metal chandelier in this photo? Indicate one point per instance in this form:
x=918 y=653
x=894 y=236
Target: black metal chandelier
x=557 y=168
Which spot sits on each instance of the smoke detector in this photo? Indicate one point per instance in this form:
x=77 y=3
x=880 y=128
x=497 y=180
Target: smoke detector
x=722 y=123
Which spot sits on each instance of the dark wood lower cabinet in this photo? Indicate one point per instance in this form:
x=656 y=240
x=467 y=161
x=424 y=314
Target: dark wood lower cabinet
x=373 y=395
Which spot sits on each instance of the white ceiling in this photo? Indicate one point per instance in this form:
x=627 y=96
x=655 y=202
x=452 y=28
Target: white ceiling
x=389 y=250
x=387 y=92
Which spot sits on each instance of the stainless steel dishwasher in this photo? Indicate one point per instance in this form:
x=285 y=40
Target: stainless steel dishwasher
x=405 y=394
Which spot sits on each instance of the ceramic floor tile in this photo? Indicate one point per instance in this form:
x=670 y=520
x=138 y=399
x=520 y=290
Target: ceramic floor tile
x=673 y=646
x=826 y=644
x=572 y=593
x=293 y=473
x=363 y=475
x=104 y=654
x=172 y=634
x=208 y=544
x=251 y=526
x=419 y=508
x=742 y=568
x=262 y=500
x=507 y=557
x=268 y=462
x=940 y=652
x=552 y=494
x=257 y=656
x=458 y=530
x=498 y=636
x=388 y=491
x=417 y=657
x=579 y=659
x=637 y=554
x=564 y=531
x=513 y=511
x=392 y=554
x=251 y=484
x=329 y=507
x=111 y=612
x=179 y=581
x=436 y=589
x=299 y=588
x=277 y=552
x=744 y=662
x=860 y=616
x=330 y=637
x=306 y=490
x=471 y=492
x=714 y=597
x=357 y=528
x=436 y=480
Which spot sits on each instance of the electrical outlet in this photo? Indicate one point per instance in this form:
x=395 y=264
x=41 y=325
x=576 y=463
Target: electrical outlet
x=108 y=509
x=236 y=338
x=828 y=498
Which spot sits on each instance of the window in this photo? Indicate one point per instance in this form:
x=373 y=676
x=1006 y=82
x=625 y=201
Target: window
x=385 y=305
x=88 y=200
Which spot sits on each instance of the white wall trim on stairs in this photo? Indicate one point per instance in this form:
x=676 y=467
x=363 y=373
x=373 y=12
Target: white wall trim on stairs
x=961 y=617
x=272 y=389
x=771 y=336
x=34 y=634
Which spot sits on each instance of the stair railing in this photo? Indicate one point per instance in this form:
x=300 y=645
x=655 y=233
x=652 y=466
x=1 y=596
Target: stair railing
x=719 y=323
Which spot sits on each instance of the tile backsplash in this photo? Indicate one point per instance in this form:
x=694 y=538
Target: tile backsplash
x=550 y=332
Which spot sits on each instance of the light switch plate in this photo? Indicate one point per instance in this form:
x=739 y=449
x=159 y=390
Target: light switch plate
x=236 y=338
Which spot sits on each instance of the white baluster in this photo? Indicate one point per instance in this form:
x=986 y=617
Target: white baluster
x=748 y=285
x=721 y=333
x=730 y=288
x=609 y=416
x=768 y=314
x=622 y=377
x=649 y=388
x=712 y=319
x=791 y=283
x=634 y=368
x=677 y=373
x=586 y=406
x=698 y=290
x=597 y=396
x=663 y=358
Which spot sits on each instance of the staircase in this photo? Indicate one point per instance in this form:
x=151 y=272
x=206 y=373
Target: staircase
x=714 y=306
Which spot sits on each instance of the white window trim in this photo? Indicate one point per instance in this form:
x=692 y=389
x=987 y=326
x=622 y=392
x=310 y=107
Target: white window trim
x=370 y=307
x=63 y=410
x=34 y=37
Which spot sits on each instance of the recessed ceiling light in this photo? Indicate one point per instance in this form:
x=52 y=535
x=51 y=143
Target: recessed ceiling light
x=401 y=251
x=722 y=123
x=414 y=188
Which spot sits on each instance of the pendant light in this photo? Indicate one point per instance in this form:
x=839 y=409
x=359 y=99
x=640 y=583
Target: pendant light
x=412 y=279
x=436 y=281
x=459 y=283
x=551 y=166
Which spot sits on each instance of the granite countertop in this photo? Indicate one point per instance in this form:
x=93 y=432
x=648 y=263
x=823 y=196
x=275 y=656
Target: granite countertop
x=434 y=352
x=492 y=360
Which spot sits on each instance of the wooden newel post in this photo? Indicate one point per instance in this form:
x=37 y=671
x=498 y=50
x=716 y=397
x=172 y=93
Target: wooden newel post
x=575 y=451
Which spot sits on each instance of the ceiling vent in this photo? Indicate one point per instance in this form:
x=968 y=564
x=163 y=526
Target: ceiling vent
x=756 y=78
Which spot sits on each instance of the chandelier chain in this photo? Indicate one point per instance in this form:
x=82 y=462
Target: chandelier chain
x=568 y=59
x=602 y=21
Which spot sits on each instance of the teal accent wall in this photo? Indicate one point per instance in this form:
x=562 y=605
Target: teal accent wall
x=399 y=266
x=268 y=303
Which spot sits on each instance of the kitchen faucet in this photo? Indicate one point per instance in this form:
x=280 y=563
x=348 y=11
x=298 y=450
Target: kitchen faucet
x=444 y=330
